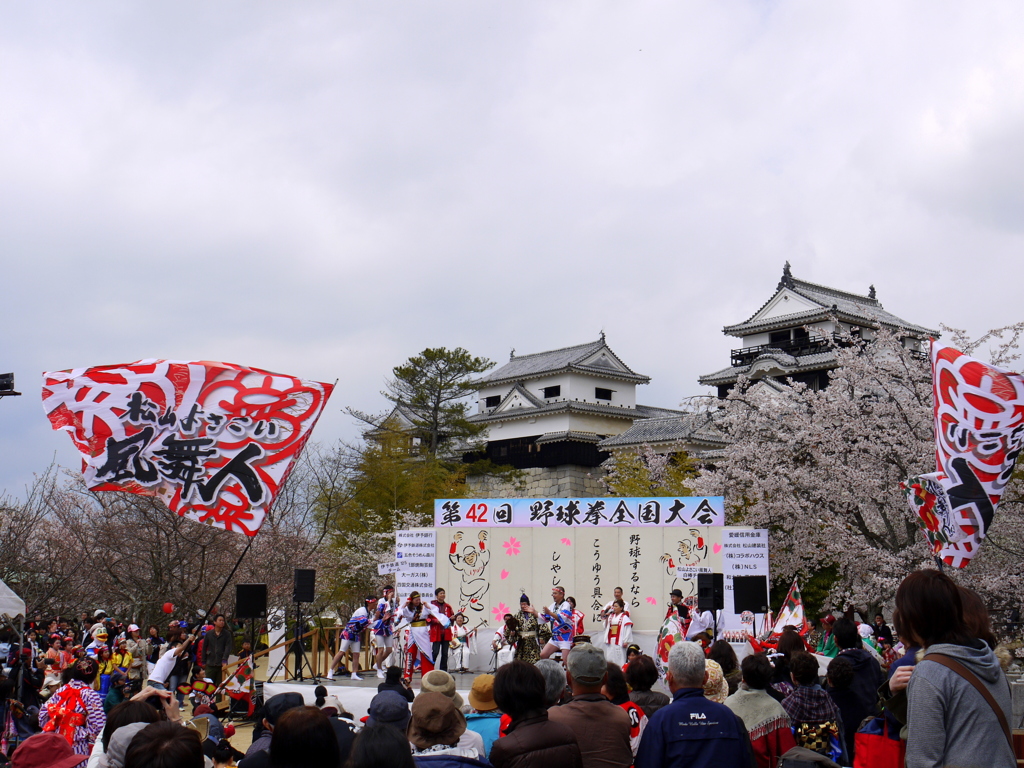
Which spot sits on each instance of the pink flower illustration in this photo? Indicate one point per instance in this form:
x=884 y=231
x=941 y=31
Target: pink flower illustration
x=512 y=546
x=567 y=542
x=499 y=611
x=504 y=574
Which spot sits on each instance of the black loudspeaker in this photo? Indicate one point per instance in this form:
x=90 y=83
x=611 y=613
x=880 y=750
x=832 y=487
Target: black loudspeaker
x=305 y=585
x=710 y=592
x=250 y=601
x=750 y=593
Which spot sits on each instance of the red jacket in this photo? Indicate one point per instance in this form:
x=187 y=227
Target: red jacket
x=439 y=634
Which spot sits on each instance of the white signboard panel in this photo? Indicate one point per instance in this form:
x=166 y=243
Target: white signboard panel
x=415 y=553
x=579 y=513
x=744 y=553
x=486 y=569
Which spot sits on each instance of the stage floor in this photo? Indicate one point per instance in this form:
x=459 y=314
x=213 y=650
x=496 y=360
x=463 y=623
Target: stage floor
x=354 y=695
x=370 y=680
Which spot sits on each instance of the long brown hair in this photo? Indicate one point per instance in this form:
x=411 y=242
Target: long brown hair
x=931 y=609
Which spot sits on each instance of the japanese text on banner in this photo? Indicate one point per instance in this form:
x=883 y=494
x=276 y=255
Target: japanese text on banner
x=416 y=555
x=567 y=513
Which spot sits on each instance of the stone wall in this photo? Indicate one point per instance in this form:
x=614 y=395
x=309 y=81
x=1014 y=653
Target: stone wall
x=565 y=481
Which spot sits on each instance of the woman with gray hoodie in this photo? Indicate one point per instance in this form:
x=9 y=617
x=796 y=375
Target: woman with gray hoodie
x=958 y=700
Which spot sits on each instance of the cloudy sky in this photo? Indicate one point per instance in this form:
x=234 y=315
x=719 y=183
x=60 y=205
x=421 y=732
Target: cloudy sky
x=324 y=189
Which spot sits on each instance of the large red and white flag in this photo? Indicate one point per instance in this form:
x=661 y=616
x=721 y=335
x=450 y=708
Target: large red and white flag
x=214 y=441
x=792 y=612
x=240 y=684
x=979 y=432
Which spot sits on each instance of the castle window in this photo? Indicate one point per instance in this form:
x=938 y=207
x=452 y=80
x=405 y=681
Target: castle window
x=602 y=394
x=492 y=402
x=777 y=337
x=554 y=391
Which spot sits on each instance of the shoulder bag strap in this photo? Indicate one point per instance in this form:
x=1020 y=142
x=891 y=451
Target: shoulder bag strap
x=950 y=663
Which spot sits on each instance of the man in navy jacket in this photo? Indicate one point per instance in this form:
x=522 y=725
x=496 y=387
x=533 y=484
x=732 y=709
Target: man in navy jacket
x=692 y=731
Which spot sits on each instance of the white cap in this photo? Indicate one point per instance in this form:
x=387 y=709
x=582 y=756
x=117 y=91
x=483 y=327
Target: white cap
x=133 y=627
x=99 y=612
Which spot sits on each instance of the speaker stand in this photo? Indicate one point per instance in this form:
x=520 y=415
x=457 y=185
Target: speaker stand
x=296 y=648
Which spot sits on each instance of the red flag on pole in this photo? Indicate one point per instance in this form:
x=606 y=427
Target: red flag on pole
x=979 y=432
x=792 y=612
x=214 y=441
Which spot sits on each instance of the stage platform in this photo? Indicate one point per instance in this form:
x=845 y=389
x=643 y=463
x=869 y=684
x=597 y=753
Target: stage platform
x=354 y=695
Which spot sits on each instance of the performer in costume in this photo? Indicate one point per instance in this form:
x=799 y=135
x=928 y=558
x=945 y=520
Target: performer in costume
x=61 y=658
x=607 y=609
x=619 y=633
x=559 y=616
x=460 y=648
x=383 y=629
x=503 y=649
x=351 y=638
x=704 y=622
x=527 y=643
x=440 y=636
x=75 y=711
x=578 y=617
x=678 y=610
x=416 y=613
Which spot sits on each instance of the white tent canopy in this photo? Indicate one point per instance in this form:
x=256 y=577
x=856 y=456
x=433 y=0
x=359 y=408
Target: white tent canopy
x=11 y=606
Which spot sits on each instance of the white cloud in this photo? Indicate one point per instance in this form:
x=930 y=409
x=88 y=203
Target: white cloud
x=326 y=190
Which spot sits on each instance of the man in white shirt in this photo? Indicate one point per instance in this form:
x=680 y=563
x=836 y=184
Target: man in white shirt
x=559 y=614
x=165 y=664
x=703 y=622
x=504 y=650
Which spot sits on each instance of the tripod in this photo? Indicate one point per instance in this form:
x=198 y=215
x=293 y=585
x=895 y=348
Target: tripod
x=296 y=648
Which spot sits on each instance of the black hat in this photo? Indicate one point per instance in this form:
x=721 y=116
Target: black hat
x=389 y=707
x=675 y=593
x=281 y=703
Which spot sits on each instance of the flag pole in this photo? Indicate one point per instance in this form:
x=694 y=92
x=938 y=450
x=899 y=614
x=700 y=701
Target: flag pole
x=230 y=576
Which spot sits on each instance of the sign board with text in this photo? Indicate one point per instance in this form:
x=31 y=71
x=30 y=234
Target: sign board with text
x=579 y=513
x=415 y=553
x=485 y=569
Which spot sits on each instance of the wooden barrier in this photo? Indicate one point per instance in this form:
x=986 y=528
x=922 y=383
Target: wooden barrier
x=321 y=654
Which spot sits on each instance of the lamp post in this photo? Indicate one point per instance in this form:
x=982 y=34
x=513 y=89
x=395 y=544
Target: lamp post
x=7 y=385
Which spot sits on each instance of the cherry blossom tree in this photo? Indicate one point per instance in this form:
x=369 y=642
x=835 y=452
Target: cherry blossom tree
x=643 y=471
x=821 y=470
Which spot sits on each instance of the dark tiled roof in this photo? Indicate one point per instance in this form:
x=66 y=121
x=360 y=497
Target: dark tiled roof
x=850 y=307
x=693 y=428
x=790 y=365
x=558 y=437
x=653 y=412
x=402 y=413
x=566 y=359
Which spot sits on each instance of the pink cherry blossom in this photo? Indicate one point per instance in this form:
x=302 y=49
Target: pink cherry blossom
x=512 y=546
